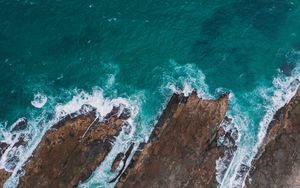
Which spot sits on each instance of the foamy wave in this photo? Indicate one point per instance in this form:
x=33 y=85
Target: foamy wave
x=190 y=78
x=102 y=175
x=39 y=100
x=232 y=125
x=96 y=99
x=40 y=125
x=283 y=89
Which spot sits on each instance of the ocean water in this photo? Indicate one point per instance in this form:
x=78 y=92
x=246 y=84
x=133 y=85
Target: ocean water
x=57 y=55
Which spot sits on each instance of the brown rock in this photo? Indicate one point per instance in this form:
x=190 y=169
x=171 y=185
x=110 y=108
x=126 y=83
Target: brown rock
x=71 y=151
x=278 y=162
x=4 y=175
x=116 y=162
x=182 y=149
x=3 y=148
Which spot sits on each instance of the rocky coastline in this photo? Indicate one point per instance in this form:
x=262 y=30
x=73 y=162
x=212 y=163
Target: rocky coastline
x=71 y=150
x=182 y=150
x=277 y=163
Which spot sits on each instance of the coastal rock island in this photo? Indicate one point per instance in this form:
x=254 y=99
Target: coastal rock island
x=182 y=149
x=277 y=163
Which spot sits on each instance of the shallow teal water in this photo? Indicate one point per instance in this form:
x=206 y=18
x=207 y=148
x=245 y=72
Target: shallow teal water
x=137 y=49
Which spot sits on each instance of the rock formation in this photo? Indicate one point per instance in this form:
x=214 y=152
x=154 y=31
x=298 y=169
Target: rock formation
x=4 y=175
x=72 y=150
x=182 y=149
x=181 y=152
x=278 y=162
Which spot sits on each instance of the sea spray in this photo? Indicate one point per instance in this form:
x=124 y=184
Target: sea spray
x=40 y=125
x=283 y=89
x=185 y=79
x=180 y=79
x=231 y=138
x=39 y=100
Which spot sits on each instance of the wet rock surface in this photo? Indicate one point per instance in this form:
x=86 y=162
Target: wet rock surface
x=228 y=143
x=71 y=150
x=117 y=161
x=182 y=149
x=4 y=175
x=278 y=162
x=3 y=148
x=20 y=125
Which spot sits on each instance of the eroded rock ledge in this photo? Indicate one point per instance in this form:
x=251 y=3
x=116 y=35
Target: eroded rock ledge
x=181 y=152
x=71 y=150
x=182 y=149
x=278 y=162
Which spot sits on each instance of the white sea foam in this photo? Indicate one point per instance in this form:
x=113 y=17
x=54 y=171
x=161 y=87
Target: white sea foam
x=40 y=125
x=177 y=79
x=190 y=79
x=232 y=124
x=283 y=89
x=181 y=79
x=39 y=100
x=102 y=175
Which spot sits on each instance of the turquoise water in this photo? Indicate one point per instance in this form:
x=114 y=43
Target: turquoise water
x=140 y=51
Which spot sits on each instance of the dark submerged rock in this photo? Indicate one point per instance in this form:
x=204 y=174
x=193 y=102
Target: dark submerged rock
x=287 y=68
x=20 y=125
x=3 y=148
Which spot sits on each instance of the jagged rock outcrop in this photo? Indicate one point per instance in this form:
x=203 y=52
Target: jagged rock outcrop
x=277 y=164
x=20 y=141
x=182 y=149
x=3 y=148
x=4 y=175
x=72 y=149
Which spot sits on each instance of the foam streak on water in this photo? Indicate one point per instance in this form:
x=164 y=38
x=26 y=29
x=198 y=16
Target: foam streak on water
x=40 y=125
x=283 y=89
x=190 y=79
x=177 y=79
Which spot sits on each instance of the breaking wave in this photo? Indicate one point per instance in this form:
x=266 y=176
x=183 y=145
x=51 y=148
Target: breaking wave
x=14 y=157
x=273 y=98
x=175 y=78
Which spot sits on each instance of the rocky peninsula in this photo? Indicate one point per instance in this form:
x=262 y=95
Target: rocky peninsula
x=277 y=163
x=181 y=152
x=71 y=150
x=182 y=149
